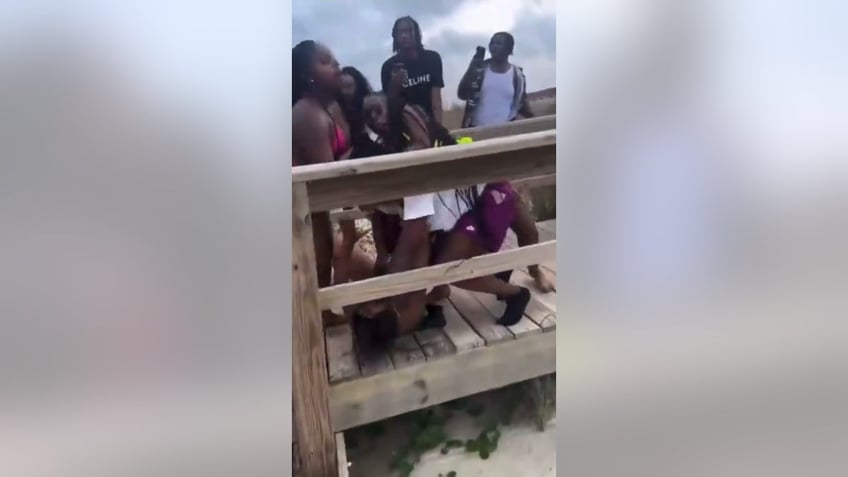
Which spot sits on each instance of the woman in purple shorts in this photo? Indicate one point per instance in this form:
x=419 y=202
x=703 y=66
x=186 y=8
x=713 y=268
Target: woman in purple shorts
x=472 y=220
x=476 y=220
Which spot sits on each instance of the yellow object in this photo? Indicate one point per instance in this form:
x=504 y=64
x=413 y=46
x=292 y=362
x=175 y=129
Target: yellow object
x=464 y=140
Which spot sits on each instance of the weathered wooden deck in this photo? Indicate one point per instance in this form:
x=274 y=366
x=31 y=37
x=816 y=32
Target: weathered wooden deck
x=470 y=354
x=334 y=388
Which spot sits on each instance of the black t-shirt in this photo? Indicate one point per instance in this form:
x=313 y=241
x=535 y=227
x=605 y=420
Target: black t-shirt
x=424 y=73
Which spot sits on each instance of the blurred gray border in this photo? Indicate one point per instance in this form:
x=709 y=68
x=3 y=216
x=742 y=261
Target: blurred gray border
x=285 y=248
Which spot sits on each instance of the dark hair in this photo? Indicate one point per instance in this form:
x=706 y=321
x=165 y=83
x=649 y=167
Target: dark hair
x=510 y=41
x=396 y=139
x=302 y=55
x=415 y=27
x=354 y=112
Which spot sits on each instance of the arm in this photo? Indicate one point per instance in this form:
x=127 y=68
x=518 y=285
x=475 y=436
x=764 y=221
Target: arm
x=525 y=112
x=385 y=76
x=309 y=133
x=437 y=85
x=464 y=91
x=412 y=249
x=524 y=109
x=414 y=235
x=436 y=101
x=419 y=138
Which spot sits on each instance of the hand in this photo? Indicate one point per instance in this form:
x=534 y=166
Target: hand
x=399 y=77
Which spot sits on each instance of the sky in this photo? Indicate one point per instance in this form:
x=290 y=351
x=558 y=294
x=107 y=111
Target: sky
x=359 y=33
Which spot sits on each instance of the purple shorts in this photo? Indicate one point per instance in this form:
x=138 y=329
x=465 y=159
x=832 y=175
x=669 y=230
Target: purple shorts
x=496 y=208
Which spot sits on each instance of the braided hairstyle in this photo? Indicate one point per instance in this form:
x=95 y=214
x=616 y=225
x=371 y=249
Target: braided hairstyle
x=415 y=27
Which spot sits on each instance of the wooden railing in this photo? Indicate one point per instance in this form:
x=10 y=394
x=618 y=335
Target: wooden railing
x=542 y=123
x=530 y=152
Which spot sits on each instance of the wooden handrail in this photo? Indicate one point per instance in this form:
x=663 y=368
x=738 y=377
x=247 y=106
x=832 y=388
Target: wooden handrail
x=374 y=180
x=540 y=123
x=530 y=183
x=387 y=162
x=337 y=296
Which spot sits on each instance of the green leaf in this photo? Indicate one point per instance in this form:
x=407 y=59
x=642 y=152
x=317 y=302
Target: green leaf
x=451 y=474
x=484 y=454
x=454 y=443
x=471 y=445
x=445 y=450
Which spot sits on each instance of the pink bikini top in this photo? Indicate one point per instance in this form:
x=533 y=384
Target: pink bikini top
x=339 y=141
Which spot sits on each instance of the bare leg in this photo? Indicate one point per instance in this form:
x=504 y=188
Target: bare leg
x=459 y=246
x=411 y=306
x=342 y=250
x=322 y=235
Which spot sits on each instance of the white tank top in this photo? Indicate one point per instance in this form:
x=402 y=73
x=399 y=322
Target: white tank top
x=496 y=96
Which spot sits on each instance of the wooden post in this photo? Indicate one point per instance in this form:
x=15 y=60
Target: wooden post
x=313 y=432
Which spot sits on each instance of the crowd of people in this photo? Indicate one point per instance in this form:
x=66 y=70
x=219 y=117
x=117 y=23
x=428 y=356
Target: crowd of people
x=337 y=115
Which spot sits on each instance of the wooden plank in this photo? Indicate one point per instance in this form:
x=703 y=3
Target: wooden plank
x=361 y=401
x=341 y=356
x=537 y=310
x=540 y=123
x=529 y=183
x=511 y=243
x=521 y=277
x=479 y=317
x=460 y=333
x=405 y=351
x=496 y=308
x=345 y=294
x=423 y=157
x=354 y=189
x=311 y=411
x=342 y=455
x=434 y=343
x=374 y=362
x=547 y=230
x=351 y=214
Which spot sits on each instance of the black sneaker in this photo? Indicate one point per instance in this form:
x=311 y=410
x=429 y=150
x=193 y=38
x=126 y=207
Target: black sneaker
x=505 y=275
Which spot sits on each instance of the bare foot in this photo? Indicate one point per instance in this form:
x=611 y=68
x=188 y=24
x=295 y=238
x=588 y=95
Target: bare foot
x=542 y=280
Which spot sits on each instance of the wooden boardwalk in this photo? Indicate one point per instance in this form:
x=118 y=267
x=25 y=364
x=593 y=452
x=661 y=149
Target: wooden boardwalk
x=437 y=365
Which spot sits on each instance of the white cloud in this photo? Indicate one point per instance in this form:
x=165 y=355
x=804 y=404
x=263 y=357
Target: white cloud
x=487 y=16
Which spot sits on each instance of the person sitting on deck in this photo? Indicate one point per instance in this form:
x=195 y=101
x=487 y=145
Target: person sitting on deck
x=320 y=133
x=473 y=221
x=495 y=93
